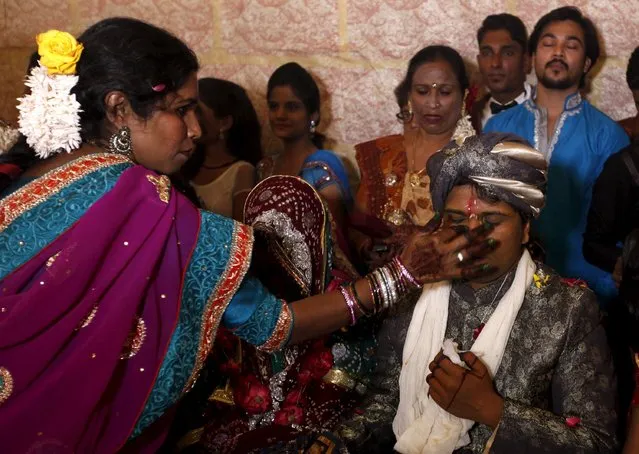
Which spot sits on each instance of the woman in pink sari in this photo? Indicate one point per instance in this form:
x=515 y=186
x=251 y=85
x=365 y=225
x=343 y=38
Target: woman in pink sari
x=112 y=284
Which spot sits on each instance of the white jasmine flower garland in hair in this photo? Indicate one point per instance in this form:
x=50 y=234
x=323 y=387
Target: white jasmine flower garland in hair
x=50 y=115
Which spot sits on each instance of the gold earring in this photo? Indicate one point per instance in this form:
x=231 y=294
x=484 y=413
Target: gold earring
x=120 y=142
x=463 y=110
x=405 y=114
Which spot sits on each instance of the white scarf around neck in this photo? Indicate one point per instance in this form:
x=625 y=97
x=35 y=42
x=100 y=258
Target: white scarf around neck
x=421 y=426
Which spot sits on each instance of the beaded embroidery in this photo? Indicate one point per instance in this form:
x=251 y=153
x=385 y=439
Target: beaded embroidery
x=6 y=384
x=135 y=340
x=162 y=184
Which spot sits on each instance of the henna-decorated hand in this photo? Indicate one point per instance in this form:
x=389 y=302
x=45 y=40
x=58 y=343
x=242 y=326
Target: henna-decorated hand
x=380 y=251
x=435 y=256
x=465 y=393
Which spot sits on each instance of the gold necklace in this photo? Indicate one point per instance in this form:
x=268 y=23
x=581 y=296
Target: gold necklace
x=415 y=178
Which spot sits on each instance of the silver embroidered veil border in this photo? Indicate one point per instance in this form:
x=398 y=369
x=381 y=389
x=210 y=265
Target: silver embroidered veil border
x=292 y=240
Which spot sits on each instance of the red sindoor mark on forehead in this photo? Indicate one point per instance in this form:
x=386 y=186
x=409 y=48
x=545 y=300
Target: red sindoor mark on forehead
x=471 y=205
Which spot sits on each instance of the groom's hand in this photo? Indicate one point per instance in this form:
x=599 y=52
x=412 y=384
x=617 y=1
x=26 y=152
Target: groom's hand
x=465 y=393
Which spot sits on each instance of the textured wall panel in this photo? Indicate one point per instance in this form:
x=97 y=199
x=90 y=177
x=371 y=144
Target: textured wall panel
x=357 y=49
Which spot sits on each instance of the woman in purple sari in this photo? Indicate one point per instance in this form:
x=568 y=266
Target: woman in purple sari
x=112 y=284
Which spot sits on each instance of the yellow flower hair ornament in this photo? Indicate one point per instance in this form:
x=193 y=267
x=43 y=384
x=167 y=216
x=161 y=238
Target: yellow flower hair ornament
x=49 y=116
x=59 y=52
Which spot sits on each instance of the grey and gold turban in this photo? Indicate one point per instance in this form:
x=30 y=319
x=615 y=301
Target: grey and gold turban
x=504 y=164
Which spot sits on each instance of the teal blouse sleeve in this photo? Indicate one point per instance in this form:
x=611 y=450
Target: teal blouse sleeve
x=253 y=312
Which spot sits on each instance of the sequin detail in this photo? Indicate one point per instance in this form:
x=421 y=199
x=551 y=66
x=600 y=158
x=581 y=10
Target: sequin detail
x=396 y=217
x=391 y=179
x=162 y=184
x=52 y=259
x=282 y=331
x=89 y=318
x=6 y=384
x=135 y=340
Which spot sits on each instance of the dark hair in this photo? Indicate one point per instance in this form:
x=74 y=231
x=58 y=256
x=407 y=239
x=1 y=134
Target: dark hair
x=632 y=73
x=428 y=55
x=126 y=55
x=569 y=13
x=504 y=21
x=304 y=87
x=243 y=139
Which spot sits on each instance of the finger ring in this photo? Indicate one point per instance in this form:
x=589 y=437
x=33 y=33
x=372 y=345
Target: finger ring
x=460 y=257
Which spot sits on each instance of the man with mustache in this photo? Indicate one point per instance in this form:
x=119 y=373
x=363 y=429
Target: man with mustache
x=574 y=136
x=504 y=63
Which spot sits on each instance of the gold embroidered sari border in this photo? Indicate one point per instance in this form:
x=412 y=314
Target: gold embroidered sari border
x=229 y=282
x=282 y=332
x=38 y=191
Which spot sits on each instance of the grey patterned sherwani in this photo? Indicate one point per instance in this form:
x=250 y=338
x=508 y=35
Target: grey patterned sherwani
x=556 y=365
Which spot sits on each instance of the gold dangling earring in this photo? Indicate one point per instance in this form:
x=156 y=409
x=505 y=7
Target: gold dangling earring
x=463 y=110
x=221 y=136
x=405 y=114
x=464 y=128
x=120 y=142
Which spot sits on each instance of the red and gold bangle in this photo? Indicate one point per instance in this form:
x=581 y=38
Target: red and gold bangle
x=360 y=305
x=350 y=303
x=375 y=290
x=405 y=273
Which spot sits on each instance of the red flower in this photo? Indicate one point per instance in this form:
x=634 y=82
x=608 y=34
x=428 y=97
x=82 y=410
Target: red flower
x=473 y=92
x=304 y=377
x=289 y=415
x=230 y=367
x=317 y=345
x=253 y=396
x=294 y=398
x=226 y=340
x=573 y=282
x=318 y=363
x=573 y=421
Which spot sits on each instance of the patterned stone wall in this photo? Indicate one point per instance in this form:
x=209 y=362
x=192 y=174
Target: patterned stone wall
x=357 y=49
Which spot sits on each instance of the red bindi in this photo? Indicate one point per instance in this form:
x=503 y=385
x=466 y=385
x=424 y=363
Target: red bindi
x=471 y=205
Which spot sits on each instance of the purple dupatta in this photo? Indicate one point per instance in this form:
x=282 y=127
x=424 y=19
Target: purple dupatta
x=86 y=322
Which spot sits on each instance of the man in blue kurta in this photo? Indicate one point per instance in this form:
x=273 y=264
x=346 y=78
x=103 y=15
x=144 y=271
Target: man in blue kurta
x=575 y=137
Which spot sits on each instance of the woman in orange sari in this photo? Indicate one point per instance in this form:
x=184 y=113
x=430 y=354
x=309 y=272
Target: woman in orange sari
x=393 y=196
